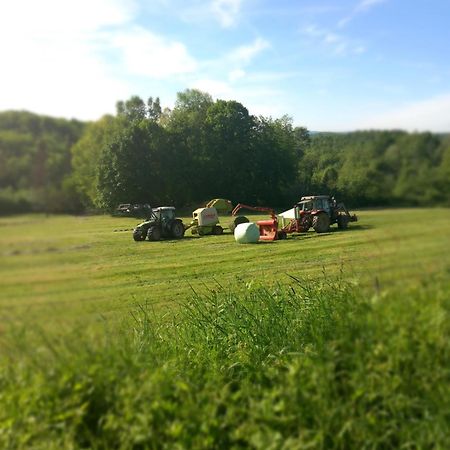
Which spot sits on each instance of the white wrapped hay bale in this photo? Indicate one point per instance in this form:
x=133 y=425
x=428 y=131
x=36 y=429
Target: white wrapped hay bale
x=246 y=233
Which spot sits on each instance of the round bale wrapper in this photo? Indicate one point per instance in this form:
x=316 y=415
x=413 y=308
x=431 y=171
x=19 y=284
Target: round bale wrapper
x=246 y=233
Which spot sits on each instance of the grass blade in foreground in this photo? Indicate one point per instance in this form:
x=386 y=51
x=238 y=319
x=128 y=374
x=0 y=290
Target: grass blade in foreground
x=313 y=364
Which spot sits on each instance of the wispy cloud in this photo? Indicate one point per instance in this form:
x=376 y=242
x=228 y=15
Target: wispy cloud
x=362 y=7
x=245 y=53
x=226 y=11
x=337 y=43
x=365 y=5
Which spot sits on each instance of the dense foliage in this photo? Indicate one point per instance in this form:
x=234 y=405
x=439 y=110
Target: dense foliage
x=312 y=365
x=380 y=167
x=35 y=162
x=204 y=149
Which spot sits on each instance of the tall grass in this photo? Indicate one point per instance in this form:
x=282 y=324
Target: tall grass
x=308 y=365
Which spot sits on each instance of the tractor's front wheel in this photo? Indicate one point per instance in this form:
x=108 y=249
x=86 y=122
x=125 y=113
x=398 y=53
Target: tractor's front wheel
x=154 y=234
x=177 y=229
x=138 y=235
x=342 y=222
x=321 y=223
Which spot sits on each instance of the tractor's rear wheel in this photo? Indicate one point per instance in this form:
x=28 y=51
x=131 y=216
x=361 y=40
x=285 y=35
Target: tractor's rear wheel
x=217 y=230
x=342 y=222
x=177 y=229
x=154 y=234
x=138 y=235
x=321 y=223
x=282 y=235
x=236 y=221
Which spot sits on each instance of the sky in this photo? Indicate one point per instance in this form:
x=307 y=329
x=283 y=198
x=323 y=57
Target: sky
x=330 y=65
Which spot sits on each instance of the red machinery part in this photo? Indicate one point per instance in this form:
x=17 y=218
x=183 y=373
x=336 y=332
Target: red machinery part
x=268 y=229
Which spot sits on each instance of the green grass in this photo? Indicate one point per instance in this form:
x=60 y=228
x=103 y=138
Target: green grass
x=326 y=341
x=70 y=268
x=310 y=365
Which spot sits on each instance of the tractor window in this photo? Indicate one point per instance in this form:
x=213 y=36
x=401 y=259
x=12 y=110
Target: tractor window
x=168 y=214
x=307 y=206
x=322 y=203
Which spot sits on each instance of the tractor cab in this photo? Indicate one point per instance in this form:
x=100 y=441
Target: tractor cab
x=164 y=213
x=315 y=203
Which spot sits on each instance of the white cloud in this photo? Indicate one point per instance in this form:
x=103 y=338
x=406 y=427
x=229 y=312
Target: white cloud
x=50 y=59
x=362 y=7
x=56 y=18
x=65 y=58
x=226 y=11
x=432 y=114
x=365 y=5
x=245 y=53
x=338 y=44
x=148 y=54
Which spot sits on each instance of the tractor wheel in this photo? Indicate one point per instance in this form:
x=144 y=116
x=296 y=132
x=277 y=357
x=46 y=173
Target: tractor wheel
x=236 y=221
x=177 y=229
x=217 y=230
x=342 y=222
x=321 y=223
x=282 y=235
x=138 y=235
x=154 y=233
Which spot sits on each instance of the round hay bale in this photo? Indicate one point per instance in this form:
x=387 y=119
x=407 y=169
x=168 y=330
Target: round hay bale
x=246 y=233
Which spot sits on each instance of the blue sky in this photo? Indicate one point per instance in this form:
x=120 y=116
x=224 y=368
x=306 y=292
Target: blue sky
x=331 y=65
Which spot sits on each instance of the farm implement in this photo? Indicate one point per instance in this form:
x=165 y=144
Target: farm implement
x=206 y=220
x=268 y=229
x=317 y=212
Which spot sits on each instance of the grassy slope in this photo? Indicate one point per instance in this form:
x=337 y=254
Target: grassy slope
x=317 y=365
x=67 y=268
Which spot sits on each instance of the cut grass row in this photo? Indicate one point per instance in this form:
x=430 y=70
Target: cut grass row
x=65 y=268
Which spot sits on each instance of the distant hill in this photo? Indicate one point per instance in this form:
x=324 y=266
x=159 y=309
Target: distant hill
x=34 y=159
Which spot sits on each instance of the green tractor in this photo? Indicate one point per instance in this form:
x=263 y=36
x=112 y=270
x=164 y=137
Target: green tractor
x=162 y=223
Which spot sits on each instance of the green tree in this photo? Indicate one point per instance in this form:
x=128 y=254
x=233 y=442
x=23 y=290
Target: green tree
x=186 y=125
x=229 y=156
x=86 y=154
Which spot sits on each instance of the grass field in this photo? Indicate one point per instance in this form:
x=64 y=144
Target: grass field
x=338 y=340
x=62 y=268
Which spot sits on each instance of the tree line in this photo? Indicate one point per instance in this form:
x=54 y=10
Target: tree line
x=205 y=148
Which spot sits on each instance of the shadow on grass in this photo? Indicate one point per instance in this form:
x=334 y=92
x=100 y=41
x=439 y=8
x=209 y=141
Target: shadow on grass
x=357 y=227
